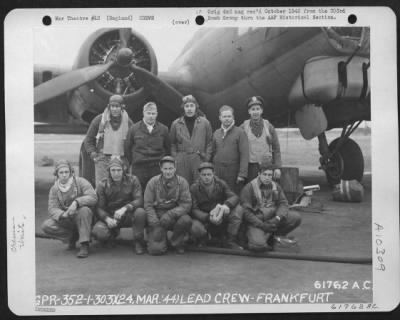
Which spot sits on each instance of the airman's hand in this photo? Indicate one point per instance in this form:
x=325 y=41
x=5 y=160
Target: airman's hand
x=226 y=209
x=111 y=223
x=120 y=213
x=94 y=156
x=71 y=211
x=239 y=180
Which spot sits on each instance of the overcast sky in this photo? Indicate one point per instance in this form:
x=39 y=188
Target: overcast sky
x=60 y=46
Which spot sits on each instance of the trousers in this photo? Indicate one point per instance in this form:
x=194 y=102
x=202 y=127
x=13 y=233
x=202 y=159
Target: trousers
x=187 y=165
x=257 y=238
x=145 y=171
x=230 y=225
x=77 y=227
x=135 y=220
x=252 y=172
x=157 y=240
x=228 y=173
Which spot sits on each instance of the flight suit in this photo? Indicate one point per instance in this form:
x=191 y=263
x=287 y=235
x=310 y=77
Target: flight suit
x=144 y=150
x=265 y=148
x=230 y=155
x=190 y=151
x=203 y=202
x=167 y=204
x=79 y=225
x=113 y=196
x=262 y=203
x=94 y=142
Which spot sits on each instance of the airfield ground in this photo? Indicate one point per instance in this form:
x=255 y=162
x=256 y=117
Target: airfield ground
x=343 y=229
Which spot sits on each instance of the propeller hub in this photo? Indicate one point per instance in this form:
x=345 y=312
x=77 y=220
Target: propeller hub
x=124 y=57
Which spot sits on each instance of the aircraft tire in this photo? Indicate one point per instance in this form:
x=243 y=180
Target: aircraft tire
x=346 y=164
x=86 y=166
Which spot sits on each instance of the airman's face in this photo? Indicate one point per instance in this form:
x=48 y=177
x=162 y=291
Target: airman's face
x=226 y=118
x=190 y=109
x=115 y=109
x=116 y=173
x=266 y=176
x=255 y=112
x=168 y=170
x=150 y=115
x=206 y=176
x=63 y=174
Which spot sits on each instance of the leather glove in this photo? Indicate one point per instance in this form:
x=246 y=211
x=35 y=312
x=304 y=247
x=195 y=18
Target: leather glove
x=269 y=227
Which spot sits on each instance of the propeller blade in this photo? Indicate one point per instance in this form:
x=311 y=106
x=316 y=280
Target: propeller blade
x=160 y=89
x=124 y=36
x=68 y=81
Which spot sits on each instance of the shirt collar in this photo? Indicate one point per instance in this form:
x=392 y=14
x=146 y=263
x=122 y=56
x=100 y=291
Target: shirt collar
x=182 y=119
x=263 y=186
x=226 y=130
x=149 y=125
x=112 y=182
x=169 y=182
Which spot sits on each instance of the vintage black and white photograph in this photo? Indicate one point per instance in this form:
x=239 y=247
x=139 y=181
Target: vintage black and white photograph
x=191 y=167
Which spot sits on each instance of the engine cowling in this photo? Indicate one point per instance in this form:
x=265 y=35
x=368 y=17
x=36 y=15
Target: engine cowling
x=101 y=47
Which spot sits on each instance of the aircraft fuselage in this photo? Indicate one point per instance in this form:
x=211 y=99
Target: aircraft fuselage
x=227 y=65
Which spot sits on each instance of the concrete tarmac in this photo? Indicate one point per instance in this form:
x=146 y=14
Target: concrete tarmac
x=342 y=229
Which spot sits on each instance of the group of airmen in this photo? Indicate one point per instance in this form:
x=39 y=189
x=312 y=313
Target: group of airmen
x=177 y=186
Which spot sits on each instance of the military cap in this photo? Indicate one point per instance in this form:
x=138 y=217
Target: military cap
x=266 y=165
x=62 y=163
x=206 y=165
x=116 y=98
x=254 y=100
x=167 y=159
x=115 y=163
x=189 y=98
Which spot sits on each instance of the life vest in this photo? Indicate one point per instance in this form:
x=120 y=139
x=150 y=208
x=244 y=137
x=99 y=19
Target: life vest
x=260 y=149
x=258 y=194
x=162 y=203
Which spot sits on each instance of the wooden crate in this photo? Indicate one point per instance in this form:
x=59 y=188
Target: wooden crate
x=291 y=183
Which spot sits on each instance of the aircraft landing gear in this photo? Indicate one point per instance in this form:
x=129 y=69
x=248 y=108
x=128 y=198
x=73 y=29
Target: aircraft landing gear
x=342 y=159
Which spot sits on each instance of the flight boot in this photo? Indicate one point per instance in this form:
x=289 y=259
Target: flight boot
x=83 y=250
x=72 y=241
x=180 y=249
x=140 y=246
x=230 y=243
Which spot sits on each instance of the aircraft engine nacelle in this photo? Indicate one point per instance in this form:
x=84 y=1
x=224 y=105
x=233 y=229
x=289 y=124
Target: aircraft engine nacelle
x=104 y=46
x=325 y=79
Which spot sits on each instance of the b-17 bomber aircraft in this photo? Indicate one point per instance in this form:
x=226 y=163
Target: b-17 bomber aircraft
x=315 y=79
